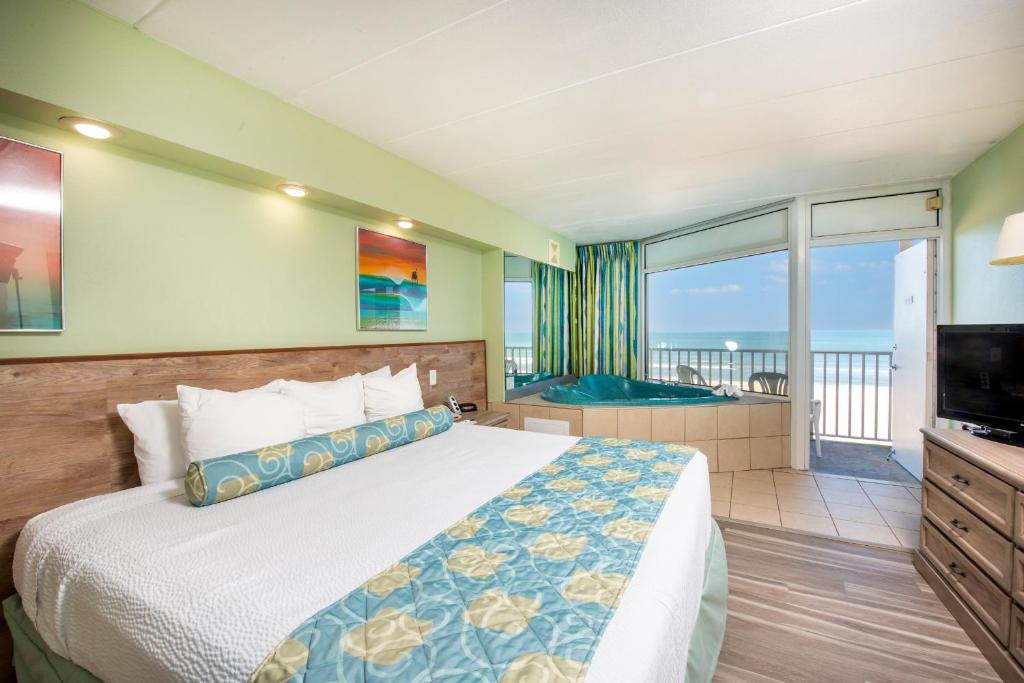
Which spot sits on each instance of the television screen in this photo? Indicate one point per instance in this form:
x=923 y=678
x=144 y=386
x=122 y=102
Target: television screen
x=981 y=374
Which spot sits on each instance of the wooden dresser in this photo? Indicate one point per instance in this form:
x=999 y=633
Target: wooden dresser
x=972 y=540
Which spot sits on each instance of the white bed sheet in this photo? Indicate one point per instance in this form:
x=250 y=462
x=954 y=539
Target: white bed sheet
x=140 y=586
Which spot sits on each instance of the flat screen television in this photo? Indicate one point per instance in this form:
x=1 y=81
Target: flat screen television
x=981 y=377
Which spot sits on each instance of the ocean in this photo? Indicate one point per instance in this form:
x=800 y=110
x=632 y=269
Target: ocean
x=821 y=340
x=868 y=348
x=853 y=387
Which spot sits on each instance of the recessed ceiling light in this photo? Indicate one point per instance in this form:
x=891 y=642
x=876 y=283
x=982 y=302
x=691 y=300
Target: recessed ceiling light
x=88 y=127
x=404 y=223
x=293 y=190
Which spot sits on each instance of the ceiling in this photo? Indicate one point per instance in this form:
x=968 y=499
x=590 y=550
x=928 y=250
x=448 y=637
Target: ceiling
x=612 y=119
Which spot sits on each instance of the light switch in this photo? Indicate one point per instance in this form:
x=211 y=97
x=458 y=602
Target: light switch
x=433 y=377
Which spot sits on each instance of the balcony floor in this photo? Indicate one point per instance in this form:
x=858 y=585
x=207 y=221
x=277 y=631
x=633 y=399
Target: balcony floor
x=861 y=460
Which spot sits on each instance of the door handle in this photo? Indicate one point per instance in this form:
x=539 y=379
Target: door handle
x=894 y=367
x=960 y=480
x=957 y=524
x=955 y=568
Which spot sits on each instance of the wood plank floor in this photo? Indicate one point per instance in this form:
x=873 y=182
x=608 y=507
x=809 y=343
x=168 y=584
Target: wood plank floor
x=803 y=608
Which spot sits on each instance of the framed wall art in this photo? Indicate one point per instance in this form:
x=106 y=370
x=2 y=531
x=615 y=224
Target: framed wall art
x=391 y=275
x=31 y=246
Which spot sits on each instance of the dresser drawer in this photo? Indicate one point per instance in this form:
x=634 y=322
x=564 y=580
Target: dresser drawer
x=1016 y=644
x=990 y=604
x=1017 y=589
x=986 y=496
x=988 y=549
x=1018 y=527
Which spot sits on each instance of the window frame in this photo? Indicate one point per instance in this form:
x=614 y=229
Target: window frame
x=787 y=204
x=800 y=241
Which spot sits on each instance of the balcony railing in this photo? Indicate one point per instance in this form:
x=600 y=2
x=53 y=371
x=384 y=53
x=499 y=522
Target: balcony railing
x=853 y=386
x=522 y=356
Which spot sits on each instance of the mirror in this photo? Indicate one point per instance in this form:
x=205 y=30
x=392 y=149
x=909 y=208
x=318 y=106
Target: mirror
x=523 y=374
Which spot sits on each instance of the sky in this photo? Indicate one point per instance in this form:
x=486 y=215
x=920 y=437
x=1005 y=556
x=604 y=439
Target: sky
x=394 y=257
x=518 y=307
x=851 y=289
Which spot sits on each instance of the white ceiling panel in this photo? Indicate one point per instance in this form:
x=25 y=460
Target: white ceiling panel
x=632 y=205
x=606 y=119
x=918 y=94
x=761 y=67
x=128 y=11
x=537 y=47
x=284 y=47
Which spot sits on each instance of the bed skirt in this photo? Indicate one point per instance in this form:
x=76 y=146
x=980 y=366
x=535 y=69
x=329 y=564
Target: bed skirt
x=709 y=631
x=34 y=662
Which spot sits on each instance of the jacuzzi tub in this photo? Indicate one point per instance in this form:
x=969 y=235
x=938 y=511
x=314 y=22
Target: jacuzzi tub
x=520 y=380
x=609 y=390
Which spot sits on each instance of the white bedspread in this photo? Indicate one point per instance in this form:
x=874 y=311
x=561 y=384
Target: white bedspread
x=141 y=586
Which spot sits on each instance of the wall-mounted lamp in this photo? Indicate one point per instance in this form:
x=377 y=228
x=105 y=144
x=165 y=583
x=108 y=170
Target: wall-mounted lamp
x=405 y=224
x=1010 y=245
x=293 y=190
x=89 y=128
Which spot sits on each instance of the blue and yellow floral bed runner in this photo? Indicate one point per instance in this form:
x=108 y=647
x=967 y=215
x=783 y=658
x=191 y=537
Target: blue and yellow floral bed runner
x=520 y=590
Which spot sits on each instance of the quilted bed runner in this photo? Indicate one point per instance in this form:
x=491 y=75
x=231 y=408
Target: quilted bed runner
x=520 y=590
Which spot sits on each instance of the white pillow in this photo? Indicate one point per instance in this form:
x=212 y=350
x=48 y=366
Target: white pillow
x=327 y=405
x=386 y=397
x=215 y=423
x=156 y=427
x=331 y=405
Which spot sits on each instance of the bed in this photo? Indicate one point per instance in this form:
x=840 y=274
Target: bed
x=139 y=585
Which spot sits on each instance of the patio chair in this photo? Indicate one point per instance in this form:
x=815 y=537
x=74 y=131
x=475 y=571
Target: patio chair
x=774 y=383
x=510 y=367
x=777 y=384
x=688 y=375
x=815 y=418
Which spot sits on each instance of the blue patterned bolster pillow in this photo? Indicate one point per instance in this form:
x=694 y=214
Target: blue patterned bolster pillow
x=215 y=480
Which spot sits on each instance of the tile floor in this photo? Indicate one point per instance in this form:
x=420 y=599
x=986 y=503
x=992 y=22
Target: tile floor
x=828 y=505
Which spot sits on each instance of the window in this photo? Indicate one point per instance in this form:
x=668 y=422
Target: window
x=519 y=324
x=725 y=322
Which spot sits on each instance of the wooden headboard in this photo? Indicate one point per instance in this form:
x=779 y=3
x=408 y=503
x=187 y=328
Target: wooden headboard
x=61 y=438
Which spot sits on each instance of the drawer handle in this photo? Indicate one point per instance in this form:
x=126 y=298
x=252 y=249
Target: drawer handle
x=957 y=524
x=955 y=568
x=960 y=480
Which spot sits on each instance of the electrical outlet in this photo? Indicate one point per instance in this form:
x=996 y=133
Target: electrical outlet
x=433 y=377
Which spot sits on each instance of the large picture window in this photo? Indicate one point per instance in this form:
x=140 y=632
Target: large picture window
x=725 y=322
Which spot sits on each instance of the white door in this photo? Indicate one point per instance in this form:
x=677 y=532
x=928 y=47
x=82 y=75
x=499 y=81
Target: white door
x=911 y=342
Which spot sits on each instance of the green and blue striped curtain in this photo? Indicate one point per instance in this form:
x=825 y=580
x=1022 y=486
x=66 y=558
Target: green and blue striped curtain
x=604 y=310
x=550 y=319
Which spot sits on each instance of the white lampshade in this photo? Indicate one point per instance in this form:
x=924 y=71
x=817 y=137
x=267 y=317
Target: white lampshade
x=1010 y=246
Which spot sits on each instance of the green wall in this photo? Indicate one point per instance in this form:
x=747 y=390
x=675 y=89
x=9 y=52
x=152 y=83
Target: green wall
x=493 y=287
x=67 y=54
x=984 y=194
x=160 y=257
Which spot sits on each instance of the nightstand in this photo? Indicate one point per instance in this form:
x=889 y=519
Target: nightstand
x=487 y=418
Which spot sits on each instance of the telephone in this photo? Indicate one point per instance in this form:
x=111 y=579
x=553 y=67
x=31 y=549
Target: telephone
x=454 y=406
x=459 y=408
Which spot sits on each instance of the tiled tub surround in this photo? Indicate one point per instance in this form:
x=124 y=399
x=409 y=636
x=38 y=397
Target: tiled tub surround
x=749 y=434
